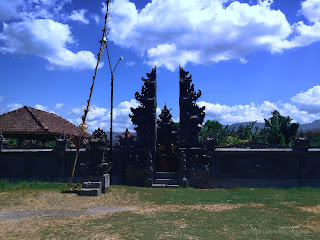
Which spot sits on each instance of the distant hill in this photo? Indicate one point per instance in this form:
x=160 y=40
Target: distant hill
x=314 y=126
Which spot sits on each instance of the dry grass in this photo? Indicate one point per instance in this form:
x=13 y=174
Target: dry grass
x=124 y=213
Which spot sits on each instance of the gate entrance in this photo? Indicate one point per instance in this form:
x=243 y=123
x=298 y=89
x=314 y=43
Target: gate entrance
x=167 y=134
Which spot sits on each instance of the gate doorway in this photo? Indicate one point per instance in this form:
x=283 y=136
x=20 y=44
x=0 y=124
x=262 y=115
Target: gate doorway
x=167 y=159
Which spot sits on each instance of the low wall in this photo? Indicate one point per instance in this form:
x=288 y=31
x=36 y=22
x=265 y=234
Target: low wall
x=40 y=164
x=264 y=168
x=228 y=168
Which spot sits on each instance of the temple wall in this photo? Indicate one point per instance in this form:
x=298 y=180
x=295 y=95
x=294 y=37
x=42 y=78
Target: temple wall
x=265 y=168
x=229 y=168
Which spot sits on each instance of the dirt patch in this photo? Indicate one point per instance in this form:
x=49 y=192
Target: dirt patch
x=205 y=207
x=6 y=215
x=315 y=209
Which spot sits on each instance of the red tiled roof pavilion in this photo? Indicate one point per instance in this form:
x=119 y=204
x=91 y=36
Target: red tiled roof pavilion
x=126 y=134
x=31 y=122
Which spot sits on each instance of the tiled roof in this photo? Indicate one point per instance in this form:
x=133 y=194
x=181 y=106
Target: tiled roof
x=126 y=134
x=27 y=120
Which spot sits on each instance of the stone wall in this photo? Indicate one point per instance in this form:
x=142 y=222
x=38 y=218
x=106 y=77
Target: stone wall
x=228 y=168
x=264 y=168
x=40 y=164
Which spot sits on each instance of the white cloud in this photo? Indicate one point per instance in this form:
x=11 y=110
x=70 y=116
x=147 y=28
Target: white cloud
x=59 y=105
x=96 y=18
x=96 y=113
x=312 y=96
x=171 y=33
x=243 y=60
x=309 y=100
x=47 y=39
x=100 y=117
x=32 y=9
x=311 y=10
x=252 y=112
x=1 y=98
x=9 y=9
x=12 y=106
x=304 y=35
x=78 y=15
x=40 y=107
x=130 y=64
x=201 y=32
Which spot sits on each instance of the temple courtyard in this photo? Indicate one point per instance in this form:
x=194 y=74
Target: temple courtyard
x=39 y=210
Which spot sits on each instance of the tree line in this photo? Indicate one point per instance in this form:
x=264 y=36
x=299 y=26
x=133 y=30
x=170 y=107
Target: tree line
x=278 y=131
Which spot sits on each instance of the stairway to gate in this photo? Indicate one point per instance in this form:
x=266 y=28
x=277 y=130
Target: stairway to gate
x=166 y=180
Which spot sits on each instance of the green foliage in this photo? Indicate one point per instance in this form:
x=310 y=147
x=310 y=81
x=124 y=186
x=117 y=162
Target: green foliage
x=245 y=132
x=279 y=129
x=314 y=137
x=50 y=144
x=214 y=129
x=13 y=142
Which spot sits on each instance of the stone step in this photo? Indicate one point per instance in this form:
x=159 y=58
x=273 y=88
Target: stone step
x=91 y=192
x=172 y=181
x=161 y=185
x=92 y=184
x=167 y=175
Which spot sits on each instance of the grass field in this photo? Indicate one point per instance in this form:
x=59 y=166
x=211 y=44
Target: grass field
x=40 y=210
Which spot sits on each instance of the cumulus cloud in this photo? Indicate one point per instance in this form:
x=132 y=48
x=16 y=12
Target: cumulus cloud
x=252 y=112
x=311 y=10
x=11 y=107
x=309 y=100
x=40 y=107
x=100 y=117
x=9 y=8
x=59 y=105
x=201 y=32
x=47 y=39
x=78 y=15
x=170 y=33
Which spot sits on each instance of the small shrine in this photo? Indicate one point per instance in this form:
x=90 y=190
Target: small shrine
x=126 y=138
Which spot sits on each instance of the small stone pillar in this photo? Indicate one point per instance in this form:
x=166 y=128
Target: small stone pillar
x=148 y=170
x=211 y=146
x=61 y=144
x=301 y=146
x=183 y=182
x=202 y=172
x=191 y=170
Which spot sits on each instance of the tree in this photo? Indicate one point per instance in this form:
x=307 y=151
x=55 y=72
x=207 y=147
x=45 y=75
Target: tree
x=246 y=133
x=279 y=129
x=214 y=129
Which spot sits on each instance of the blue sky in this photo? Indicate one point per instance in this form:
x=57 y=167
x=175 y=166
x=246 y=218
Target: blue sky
x=248 y=57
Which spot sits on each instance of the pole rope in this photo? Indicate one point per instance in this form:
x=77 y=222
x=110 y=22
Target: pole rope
x=83 y=126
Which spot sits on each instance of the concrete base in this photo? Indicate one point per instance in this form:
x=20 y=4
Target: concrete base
x=91 y=189
x=91 y=192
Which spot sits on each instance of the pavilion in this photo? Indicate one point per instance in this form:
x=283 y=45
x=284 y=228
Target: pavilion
x=30 y=123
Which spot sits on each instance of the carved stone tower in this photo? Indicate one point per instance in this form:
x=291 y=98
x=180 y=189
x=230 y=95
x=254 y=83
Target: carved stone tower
x=191 y=115
x=144 y=116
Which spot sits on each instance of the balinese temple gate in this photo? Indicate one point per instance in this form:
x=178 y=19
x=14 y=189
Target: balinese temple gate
x=170 y=151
